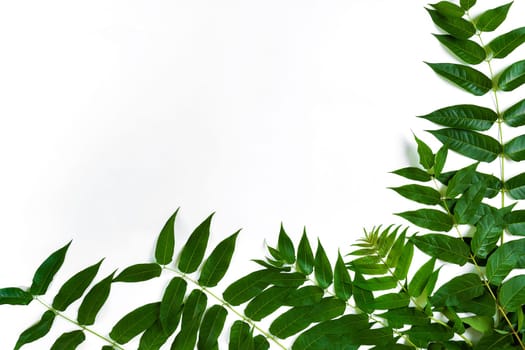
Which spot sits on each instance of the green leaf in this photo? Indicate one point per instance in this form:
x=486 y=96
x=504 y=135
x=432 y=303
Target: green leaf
x=483 y=324
x=455 y=26
x=267 y=302
x=504 y=44
x=488 y=231
x=94 y=300
x=139 y=273
x=515 y=222
x=404 y=262
x=491 y=19
x=166 y=241
x=420 y=194
x=469 y=143
x=322 y=267
x=420 y=279
x=397 y=249
x=47 y=270
x=69 y=341
x=515 y=186
x=495 y=341
x=426 y=157
x=431 y=283
x=14 y=296
x=515 y=115
x=512 y=293
x=461 y=180
x=260 y=343
x=468 y=205
x=468 y=117
x=512 y=77
x=376 y=283
x=458 y=290
x=305 y=296
x=211 y=327
x=298 y=318
x=239 y=334
x=443 y=247
x=429 y=218
x=134 y=323
x=171 y=304
x=192 y=314
x=74 y=287
x=342 y=281
x=391 y=301
x=412 y=173
x=285 y=246
x=466 y=50
x=515 y=148
x=447 y=8
x=422 y=335
x=483 y=305
x=406 y=315
x=507 y=257
x=249 y=286
x=193 y=251
x=364 y=299
x=154 y=337
x=36 y=331
x=465 y=77
x=440 y=159
x=218 y=262
x=305 y=256
x=467 y=4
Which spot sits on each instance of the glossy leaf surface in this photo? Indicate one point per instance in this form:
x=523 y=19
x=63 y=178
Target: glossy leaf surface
x=94 y=300
x=512 y=77
x=515 y=115
x=267 y=302
x=420 y=279
x=36 y=331
x=134 y=323
x=515 y=186
x=429 y=218
x=515 y=148
x=14 y=296
x=505 y=44
x=139 y=273
x=194 y=309
x=420 y=194
x=193 y=251
x=443 y=247
x=342 y=281
x=166 y=241
x=215 y=267
x=466 y=50
x=305 y=256
x=322 y=268
x=469 y=143
x=491 y=19
x=458 y=290
x=412 y=173
x=171 y=304
x=507 y=257
x=47 y=270
x=455 y=26
x=515 y=222
x=426 y=157
x=465 y=77
x=469 y=117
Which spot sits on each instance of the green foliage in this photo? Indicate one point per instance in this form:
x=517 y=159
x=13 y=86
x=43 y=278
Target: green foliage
x=376 y=295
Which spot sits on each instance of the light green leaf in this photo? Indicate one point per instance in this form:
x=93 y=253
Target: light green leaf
x=74 y=287
x=69 y=341
x=429 y=218
x=465 y=77
x=406 y=315
x=134 y=323
x=483 y=305
x=467 y=4
x=483 y=324
x=440 y=159
x=512 y=293
x=420 y=194
x=455 y=26
x=322 y=267
x=420 y=279
x=171 y=304
x=412 y=173
x=458 y=290
x=491 y=19
x=267 y=302
x=364 y=299
x=512 y=77
x=515 y=222
x=515 y=148
x=193 y=251
x=305 y=296
x=515 y=186
x=470 y=117
x=218 y=262
x=305 y=256
x=431 y=283
x=139 y=273
x=443 y=247
x=391 y=301
x=515 y=115
x=14 y=296
x=504 y=44
x=166 y=241
x=47 y=270
x=376 y=283
x=466 y=50
x=342 y=281
x=397 y=249
x=194 y=309
x=211 y=327
x=36 y=331
x=404 y=261
x=285 y=246
x=426 y=157
x=94 y=300
x=469 y=143
x=507 y=257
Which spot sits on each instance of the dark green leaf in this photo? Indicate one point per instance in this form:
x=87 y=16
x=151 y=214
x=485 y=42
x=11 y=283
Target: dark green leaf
x=506 y=257
x=440 y=159
x=211 y=327
x=403 y=316
x=422 y=335
x=93 y=301
x=512 y=77
x=490 y=20
x=466 y=210
x=420 y=279
x=405 y=259
x=512 y=293
x=342 y=281
x=47 y=270
x=443 y=247
x=461 y=181
x=69 y=341
x=469 y=143
x=14 y=296
x=458 y=290
x=249 y=286
x=305 y=256
x=36 y=331
x=515 y=115
x=74 y=287
x=455 y=26
x=488 y=231
x=515 y=148
x=515 y=186
x=267 y=302
x=134 y=323
x=466 y=50
x=429 y=218
x=166 y=242
x=239 y=334
x=323 y=269
x=465 y=77
x=516 y=222
x=493 y=183
x=420 y=194
x=139 y=273
x=305 y=296
x=470 y=117
x=285 y=246
x=154 y=337
x=426 y=157
x=171 y=304
x=364 y=299
x=483 y=305
x=391 y=301
x=376 y=283
x=467 y=4
x=218 y=262
x=260 y=343
x=193 y=251
x=504 y=44
x=447 y=8
x=194 y=309
x=495 y=341
x=412 y=173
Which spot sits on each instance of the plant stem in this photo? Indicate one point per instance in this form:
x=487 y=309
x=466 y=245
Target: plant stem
x=98 y=335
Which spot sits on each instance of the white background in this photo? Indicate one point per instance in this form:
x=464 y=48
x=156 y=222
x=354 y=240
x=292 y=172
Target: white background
x=115 y=113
